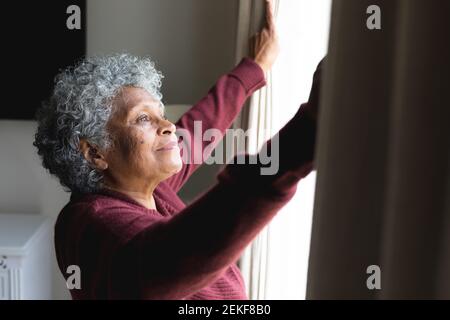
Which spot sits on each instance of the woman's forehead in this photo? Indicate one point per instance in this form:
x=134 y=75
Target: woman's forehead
x=131 y=98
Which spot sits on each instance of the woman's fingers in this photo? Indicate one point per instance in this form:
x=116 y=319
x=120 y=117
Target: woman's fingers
x=266 y=41
x=253 y=43
x=269 y=16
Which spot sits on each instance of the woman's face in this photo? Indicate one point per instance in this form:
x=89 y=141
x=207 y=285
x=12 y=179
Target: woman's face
x=145 y=145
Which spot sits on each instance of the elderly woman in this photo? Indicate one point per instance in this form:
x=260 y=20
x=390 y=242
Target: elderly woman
x=104 y=135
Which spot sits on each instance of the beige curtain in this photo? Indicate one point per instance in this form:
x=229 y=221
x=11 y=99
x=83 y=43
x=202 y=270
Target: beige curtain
x=383 y=179
x=256 y=120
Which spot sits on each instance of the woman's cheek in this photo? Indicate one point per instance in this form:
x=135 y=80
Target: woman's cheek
x=142 y=149
x=131 y=146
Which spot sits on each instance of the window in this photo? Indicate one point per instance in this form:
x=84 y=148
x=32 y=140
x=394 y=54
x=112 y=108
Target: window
x=303 y=27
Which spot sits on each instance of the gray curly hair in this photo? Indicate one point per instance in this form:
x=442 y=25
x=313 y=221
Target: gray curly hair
x=80 y=107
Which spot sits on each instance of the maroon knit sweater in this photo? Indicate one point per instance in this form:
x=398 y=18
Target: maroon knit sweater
x=126 y=251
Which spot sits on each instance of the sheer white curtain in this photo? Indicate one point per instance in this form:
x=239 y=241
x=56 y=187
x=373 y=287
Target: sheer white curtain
x=274 y=266
x=257 y=119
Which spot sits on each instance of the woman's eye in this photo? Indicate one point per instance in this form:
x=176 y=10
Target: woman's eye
x=144 y=117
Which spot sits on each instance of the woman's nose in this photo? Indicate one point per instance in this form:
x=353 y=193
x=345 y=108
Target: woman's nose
x=166 y=127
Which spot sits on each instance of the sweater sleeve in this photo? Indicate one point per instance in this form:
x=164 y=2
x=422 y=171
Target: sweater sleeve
x=174 y=257
x=217 y=110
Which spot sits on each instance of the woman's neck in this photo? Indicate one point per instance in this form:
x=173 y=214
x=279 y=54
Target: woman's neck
x=144 y=197
x=139 y=189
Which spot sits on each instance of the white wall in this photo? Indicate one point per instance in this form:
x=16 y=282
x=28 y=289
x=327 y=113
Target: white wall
x=192 y=43
x=25 y=187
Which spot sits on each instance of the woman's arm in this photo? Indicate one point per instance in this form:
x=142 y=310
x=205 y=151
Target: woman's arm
x=225 y=100
x=217 y=110
x=175 y=257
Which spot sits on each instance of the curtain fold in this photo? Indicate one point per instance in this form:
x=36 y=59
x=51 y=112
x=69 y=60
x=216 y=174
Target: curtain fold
x=383 y=181
x=256 y=119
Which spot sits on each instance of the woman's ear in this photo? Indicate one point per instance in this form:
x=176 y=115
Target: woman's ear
x=93 y=155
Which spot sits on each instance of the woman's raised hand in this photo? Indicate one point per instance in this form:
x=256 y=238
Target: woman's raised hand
x=265 y=46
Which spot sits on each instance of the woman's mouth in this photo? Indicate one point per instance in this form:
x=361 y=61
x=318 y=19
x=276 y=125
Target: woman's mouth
x=169 y=146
